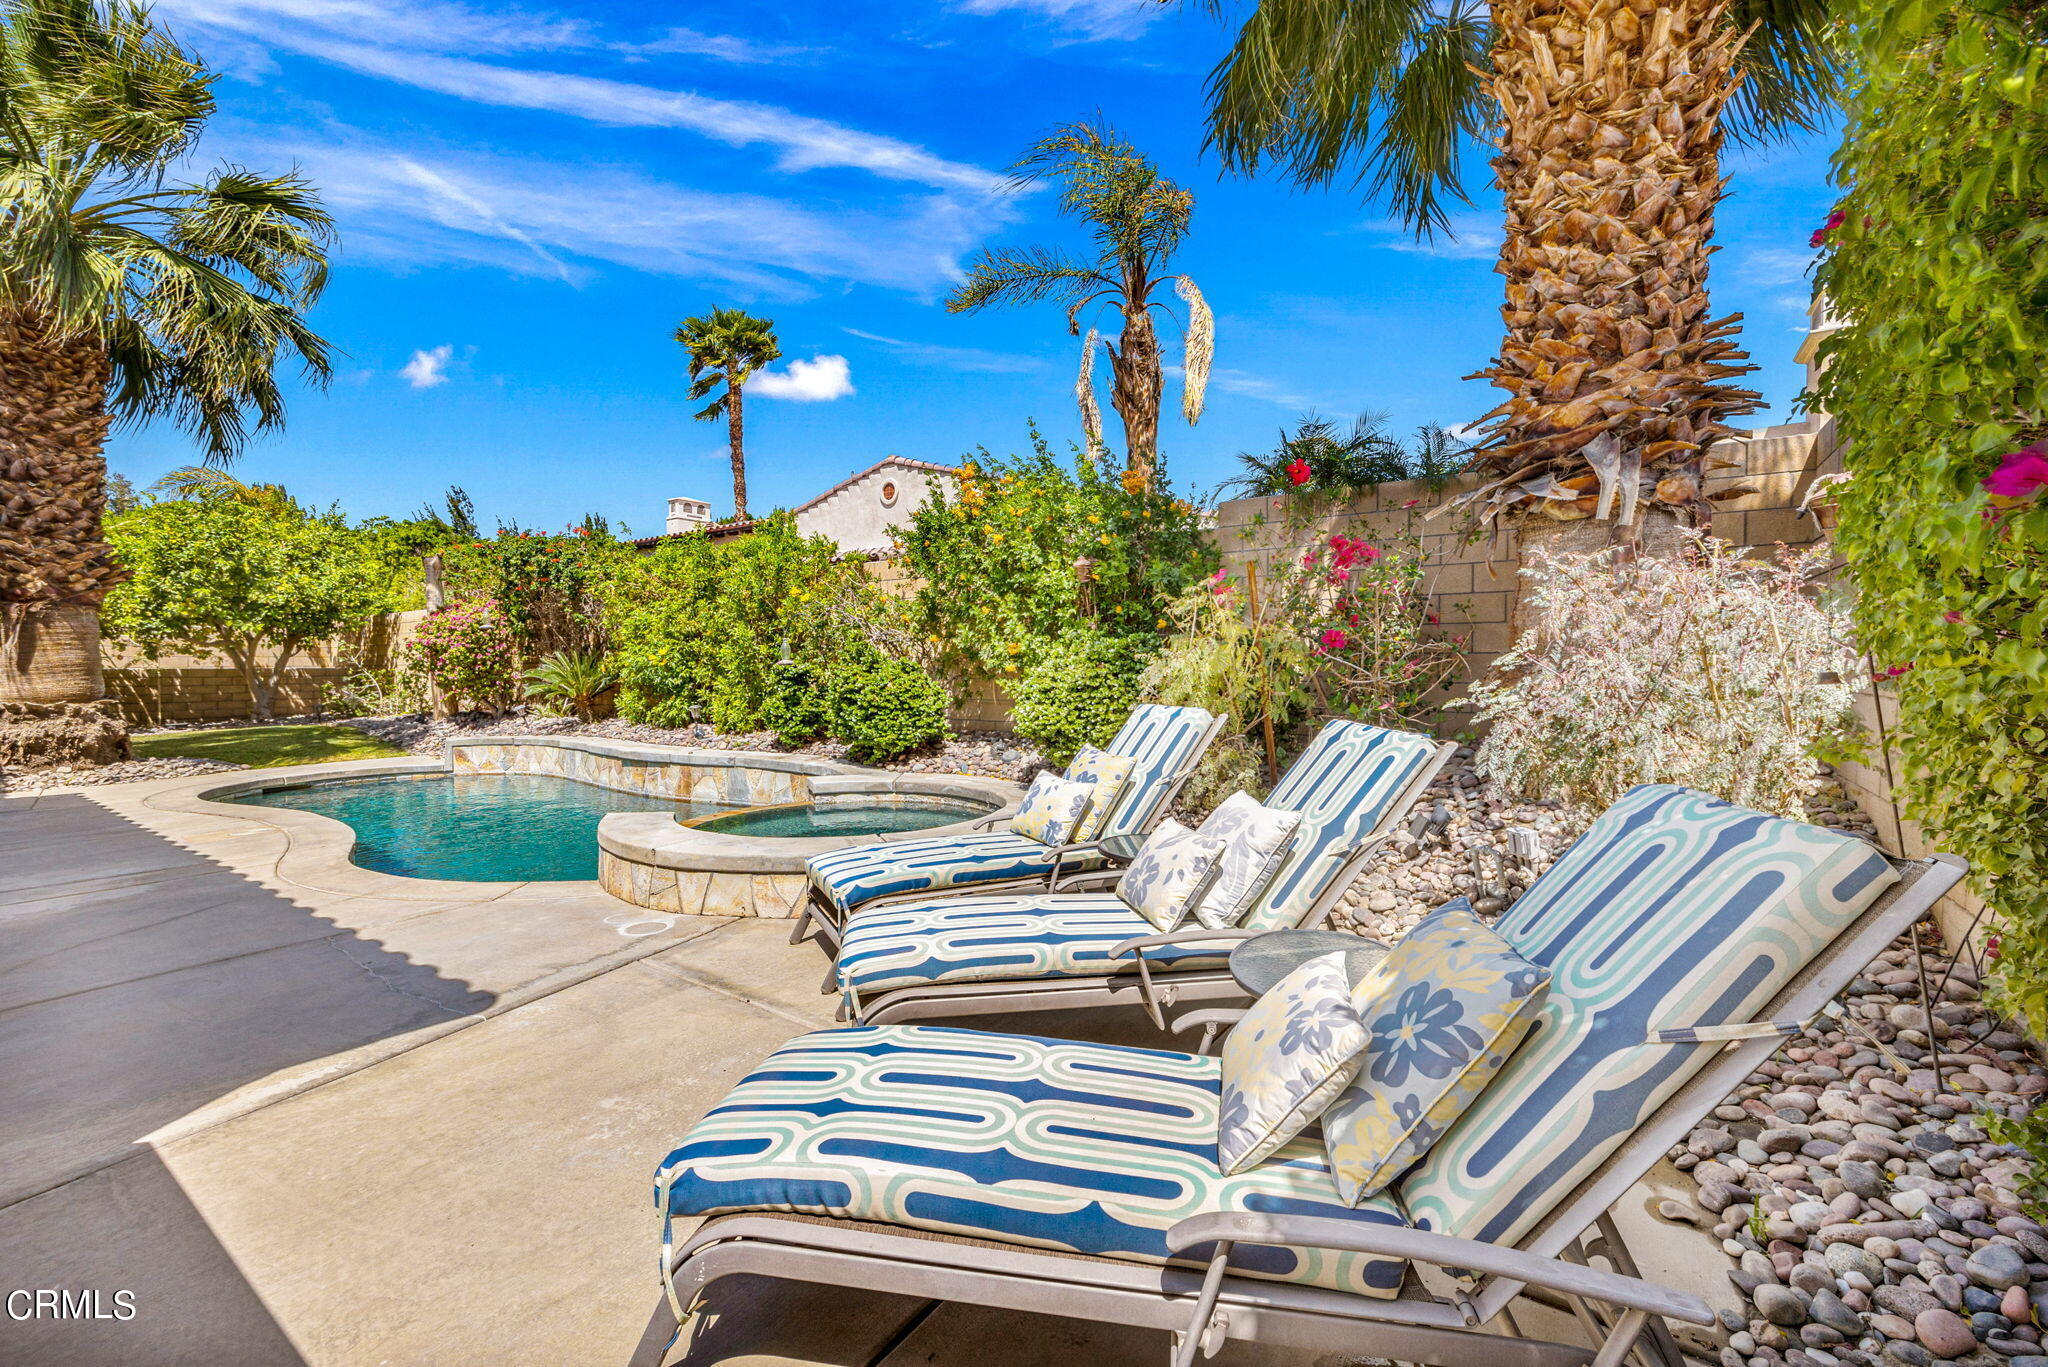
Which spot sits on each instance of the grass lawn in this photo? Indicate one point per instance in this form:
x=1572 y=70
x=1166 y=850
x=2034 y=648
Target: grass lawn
x=262 y=747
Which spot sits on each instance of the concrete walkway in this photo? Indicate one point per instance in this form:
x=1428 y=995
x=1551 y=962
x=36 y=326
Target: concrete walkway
x=350 y=1121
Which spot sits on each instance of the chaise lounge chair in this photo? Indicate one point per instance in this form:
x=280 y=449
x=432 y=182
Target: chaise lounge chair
x=1685 y=937
x=1165 y=742
x=963 y=956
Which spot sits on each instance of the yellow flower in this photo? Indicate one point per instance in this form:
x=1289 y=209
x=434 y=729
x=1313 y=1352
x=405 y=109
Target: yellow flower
x=1095 y=517
x=1159 y=625
x=1105 y=538
x=1016 y=649
x=996 y=538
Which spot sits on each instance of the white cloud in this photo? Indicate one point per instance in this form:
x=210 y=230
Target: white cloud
x=331 y=30
x=953 y=357
x=419 y=206
x=1094 y=19
x=722 y=47
x=813 y=381
x=1471 y=237
x=429 y=367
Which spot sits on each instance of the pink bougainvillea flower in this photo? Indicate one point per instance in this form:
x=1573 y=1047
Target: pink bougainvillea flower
x=1411 y=503
x=1308 y=558
x=1820 y=234
x=1333 y=639
x=1339 y=575
x=2021 y=474
x=1951 y=616
x=1297 y=472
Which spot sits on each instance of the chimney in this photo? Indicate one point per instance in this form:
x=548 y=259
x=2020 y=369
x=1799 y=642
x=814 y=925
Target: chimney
x=687 y=515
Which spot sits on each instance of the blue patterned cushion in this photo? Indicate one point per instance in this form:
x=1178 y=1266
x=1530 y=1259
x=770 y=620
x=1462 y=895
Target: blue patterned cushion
x=1051 y=809
x=1163 y=742
x=991 y=938
x=860 y=873
x=1342 y=785
x=1086 y=1148
x=1172 y=869
x=1673 y=909
x=1299 y=1046
x=1442 y=1013
x=1107 y=776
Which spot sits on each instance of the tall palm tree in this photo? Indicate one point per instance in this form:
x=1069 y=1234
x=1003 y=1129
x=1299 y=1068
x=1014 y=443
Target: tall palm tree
x=726 y=347
x=125 y=295
x=1137 y=219
x=1606 y=119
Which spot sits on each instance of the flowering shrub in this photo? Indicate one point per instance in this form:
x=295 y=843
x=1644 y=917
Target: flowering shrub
x=545 y=586
x=1376 y=649
x=1706 y=669
x=469 y=652
x=1939 y=390
x=997 y=555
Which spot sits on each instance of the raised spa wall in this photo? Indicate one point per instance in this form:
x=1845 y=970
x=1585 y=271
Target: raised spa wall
x=652 y=860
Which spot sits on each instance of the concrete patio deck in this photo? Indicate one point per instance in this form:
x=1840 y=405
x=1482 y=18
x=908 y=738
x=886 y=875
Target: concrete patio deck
x=309 y=1120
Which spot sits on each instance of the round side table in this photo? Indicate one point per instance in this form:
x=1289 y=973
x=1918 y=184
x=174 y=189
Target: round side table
x=1263 y=960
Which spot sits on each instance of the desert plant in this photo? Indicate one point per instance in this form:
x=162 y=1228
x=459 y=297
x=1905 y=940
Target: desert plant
x=1137 y=219
x=125 y=295
x=1606 y=124
x=885 y=708
x=726 y=347
x=469 y=652
x=574 y=679
x=1707 y=669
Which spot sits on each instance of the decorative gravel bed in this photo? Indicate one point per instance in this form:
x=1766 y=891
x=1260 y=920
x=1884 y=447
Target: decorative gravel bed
x=19 y=782
x=1869 y=1217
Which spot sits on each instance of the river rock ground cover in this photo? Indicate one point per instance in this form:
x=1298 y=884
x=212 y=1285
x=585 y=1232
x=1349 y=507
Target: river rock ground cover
x=1869 y=1217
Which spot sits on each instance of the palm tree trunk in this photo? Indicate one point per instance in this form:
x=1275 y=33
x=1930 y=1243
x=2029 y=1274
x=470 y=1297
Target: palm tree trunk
x=735 y=437
x=1135 y=390
x=54 y=566
x=1609 y=165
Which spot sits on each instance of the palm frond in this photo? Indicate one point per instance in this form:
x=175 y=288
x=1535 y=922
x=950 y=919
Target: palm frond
x=1791 y=68
x=1023 y=275
x=1084 y=392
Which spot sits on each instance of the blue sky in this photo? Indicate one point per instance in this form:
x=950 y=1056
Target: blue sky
x=529 y=201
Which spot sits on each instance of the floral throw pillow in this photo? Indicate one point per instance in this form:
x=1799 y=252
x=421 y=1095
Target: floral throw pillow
x=1169 y=873
x=1256 y=840
x=1051 y=809
x=1106 y=776
x=1283 y=1063
x=1443 y=1011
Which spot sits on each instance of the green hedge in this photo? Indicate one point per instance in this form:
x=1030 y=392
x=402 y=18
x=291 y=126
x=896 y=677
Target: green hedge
x=1938 y=260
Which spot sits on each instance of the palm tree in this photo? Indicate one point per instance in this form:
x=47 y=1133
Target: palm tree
x=124 y=296
x=726 y=347
x=1137 y=219
x=1322 y=457
x=1607 y=119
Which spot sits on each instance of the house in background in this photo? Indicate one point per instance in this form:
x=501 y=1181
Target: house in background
x=860 y=513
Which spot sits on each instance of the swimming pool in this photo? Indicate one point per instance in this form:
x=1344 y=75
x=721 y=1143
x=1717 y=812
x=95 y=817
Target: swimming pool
x=841 y=816
x=475 y=827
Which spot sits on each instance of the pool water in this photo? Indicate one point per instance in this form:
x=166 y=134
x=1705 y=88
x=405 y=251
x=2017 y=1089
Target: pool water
x=487 y=828
x=803 y=819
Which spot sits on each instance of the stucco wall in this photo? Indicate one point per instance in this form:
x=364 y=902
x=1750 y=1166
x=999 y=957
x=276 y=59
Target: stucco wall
x=856 y=517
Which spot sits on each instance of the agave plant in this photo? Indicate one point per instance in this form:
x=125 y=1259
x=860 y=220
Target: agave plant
x=573 y=678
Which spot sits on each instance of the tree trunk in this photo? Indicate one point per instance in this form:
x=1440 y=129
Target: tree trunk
x=54 y=566
x=735 y=436
x=1135 y=389
x=50 y=653
x=1657 y=529
x=1609 y=166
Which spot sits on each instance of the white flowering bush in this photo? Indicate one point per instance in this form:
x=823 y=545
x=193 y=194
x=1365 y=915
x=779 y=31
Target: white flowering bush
x=1708 y=669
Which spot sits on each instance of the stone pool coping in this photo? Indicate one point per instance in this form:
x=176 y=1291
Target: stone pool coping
x=318 y=846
